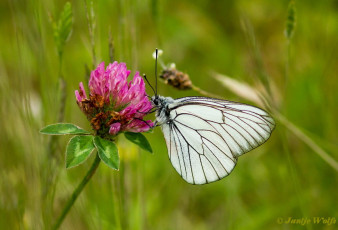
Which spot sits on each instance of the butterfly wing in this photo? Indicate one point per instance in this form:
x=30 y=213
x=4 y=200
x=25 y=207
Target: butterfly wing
x=205 y=136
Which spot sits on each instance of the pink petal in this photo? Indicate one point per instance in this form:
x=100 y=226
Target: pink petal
x=119 y=98
x=138 y=126
x=129 y=112
x=118 y=70
x=77 y=95
x=134 y=95
x=118 y=83
x=82 y=90
x=97 y=81
x=80 y=95
x=143 y=108
x=138 y=80
x=114 y=128
x=112 y=67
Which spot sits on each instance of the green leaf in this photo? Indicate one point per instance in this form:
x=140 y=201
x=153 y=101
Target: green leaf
x=107 y=152
x=78 y=150
x=63 y=27
x=62 y=129
x=140 y=140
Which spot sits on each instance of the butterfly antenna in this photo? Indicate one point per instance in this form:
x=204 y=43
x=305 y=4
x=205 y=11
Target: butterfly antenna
x=143 y=121
x=145 y=78
x=156 y=52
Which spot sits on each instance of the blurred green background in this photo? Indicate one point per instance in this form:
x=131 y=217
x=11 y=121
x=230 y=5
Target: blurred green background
x=286 y=177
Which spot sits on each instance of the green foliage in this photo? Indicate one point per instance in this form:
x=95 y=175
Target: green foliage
x=78 y=150
x=140 y=140
x=107 y=152
x=63 y=129
x=63 y=27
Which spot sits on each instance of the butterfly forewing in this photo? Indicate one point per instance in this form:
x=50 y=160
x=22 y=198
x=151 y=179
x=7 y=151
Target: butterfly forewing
x=205 y=136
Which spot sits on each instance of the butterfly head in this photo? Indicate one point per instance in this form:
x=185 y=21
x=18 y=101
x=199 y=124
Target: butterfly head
x=156 y=100
x=160 y=101
x=161 y=104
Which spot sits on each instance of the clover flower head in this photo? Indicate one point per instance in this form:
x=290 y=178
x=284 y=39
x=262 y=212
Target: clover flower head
x=115 y=105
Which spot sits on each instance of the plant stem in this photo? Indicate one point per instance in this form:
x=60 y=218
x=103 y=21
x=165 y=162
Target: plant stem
x=77 y=192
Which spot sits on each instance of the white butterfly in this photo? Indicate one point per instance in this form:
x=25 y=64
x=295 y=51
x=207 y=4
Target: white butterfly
x=205 y=136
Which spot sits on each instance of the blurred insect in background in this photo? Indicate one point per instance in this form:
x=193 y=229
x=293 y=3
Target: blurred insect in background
x=205 y=136
x=175 y=78
x=171 y=76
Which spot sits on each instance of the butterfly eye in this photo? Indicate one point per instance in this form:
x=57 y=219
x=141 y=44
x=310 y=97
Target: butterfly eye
x=156 y=102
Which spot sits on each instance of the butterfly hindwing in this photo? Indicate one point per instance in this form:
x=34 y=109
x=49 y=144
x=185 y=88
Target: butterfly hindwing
x=205 y=136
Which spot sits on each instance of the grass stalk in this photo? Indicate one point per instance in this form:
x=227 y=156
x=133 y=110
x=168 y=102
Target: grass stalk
x=204 y=93
x=307 y=140
x=77 y=192
x=91 y=27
